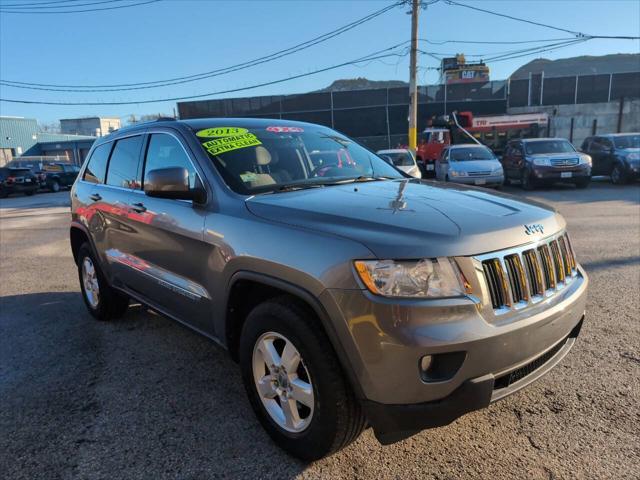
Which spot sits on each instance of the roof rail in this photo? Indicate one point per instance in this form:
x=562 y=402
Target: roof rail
x=163 y=119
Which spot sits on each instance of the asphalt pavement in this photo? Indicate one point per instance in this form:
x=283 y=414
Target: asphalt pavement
x=144 y=398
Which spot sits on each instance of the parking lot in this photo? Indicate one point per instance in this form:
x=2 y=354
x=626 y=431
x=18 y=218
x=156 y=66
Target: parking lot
x=146 y=398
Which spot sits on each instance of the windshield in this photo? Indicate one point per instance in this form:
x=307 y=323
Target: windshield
x=261 y=159
x=548 y=146
x=471 y=153
x=399 y=159
x=629 y=141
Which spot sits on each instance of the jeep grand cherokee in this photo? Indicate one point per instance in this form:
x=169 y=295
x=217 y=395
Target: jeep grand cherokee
x=350 y=294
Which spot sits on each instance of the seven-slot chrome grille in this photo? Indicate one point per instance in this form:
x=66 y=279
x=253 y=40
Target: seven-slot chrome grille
x=518 y=277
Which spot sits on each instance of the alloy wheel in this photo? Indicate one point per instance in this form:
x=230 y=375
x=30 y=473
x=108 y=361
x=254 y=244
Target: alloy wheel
x=90 y=283
x=283 y=382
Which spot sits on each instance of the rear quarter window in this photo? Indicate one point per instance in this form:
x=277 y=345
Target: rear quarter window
x=97 y=165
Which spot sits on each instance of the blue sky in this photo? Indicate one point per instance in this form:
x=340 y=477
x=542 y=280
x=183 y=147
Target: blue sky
x=174 y=38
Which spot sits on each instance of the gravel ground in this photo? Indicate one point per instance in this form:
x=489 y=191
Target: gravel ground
x=145 y=398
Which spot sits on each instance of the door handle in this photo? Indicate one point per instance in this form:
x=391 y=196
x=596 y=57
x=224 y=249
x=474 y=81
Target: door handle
x=138 y=207
x=95 y=197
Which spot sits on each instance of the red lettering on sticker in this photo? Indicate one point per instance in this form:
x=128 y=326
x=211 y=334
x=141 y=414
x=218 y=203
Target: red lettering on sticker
x=285 y=129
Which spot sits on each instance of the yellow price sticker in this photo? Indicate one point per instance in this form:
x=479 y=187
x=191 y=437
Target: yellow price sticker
x=221 y=132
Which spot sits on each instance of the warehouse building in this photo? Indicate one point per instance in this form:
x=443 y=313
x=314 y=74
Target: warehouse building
x=91 y=126
x=20 y=137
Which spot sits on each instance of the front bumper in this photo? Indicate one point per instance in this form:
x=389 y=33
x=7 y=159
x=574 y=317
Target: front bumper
x=485 y=181
x=561 y=174
x=385 y=339
x=393 y=423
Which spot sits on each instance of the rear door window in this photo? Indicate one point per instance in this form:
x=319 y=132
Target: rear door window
x=97 y=166
x=123 y=165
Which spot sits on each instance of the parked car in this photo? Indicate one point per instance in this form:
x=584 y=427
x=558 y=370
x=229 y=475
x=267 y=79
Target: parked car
x=402 y=159
x=470 y=164
x=616 y=155
x=543 y=161
x=58 y=176
x=349 y=294
x=17 y=180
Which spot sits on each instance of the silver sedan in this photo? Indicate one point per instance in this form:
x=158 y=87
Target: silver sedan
x=470 y=164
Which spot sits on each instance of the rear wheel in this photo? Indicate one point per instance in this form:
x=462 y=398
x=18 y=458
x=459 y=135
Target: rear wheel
x=618 y=176
x=102 y=301
x=55 y=186
x=294 y=381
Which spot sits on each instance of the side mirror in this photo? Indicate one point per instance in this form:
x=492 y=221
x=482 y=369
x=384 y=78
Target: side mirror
x=173 y=183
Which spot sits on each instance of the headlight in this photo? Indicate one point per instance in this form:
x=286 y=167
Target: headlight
x=497 y=171
x=422 y=278
x=541 y=161
x=585 y=159
x=456 y=173
x=633 y=156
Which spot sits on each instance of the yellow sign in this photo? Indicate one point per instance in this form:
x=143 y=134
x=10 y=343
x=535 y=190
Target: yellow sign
x=220 y=132
x=226 y=144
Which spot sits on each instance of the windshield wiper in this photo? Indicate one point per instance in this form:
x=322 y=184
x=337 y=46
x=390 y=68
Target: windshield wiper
x=290 y=187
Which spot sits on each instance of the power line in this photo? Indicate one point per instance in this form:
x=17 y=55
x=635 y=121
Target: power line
x=482 y=42
x=531 y=22
x=213 y=73
x=504 y=15
x=371 y=57
x=2 y=5
x=2 y=10
x=39 y=7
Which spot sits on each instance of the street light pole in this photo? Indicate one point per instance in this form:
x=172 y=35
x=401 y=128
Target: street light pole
x=413 y=71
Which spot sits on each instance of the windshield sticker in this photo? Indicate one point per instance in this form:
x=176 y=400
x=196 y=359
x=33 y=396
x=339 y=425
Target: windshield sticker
x=248 y=177
x=285 y=129
x=226 y=144
x=220 y=132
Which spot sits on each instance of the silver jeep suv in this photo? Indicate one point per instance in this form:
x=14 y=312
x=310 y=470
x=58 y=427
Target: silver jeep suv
x=349 y=293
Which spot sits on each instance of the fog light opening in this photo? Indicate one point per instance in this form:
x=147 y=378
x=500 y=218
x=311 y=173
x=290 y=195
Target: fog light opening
x=425 y=363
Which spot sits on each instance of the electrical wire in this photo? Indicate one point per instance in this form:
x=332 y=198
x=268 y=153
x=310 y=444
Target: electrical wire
x=2 y=5
x=213 y=73
x=531 y=22
x=504 y=15
x=371 y=57
x=90 y=4
x=2 y=10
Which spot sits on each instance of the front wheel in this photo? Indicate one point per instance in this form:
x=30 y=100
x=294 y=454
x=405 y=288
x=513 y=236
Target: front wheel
x=618 y=176
x=102 y=301
x=526 y=181
x=55 y=186
x=294 y=381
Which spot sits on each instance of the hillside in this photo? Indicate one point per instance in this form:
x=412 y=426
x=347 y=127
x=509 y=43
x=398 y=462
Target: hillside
x=585 y=65
x=361 y=83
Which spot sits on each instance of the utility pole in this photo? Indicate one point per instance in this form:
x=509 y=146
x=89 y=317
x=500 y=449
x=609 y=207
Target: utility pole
x=413 y=72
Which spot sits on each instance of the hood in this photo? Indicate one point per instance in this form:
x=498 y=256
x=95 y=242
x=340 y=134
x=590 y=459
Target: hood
x=475 y=165
x=627 y=151
x=555 y=155
x=411 y=218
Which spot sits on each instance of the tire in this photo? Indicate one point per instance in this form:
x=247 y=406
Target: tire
x=30 y=193
x=583 y=183
x=618 y=176
x=102 y=301
x=335 y=418
x=526 y=181
x=55 y=186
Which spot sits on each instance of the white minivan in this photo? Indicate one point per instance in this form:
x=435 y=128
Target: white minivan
x=402 y=159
